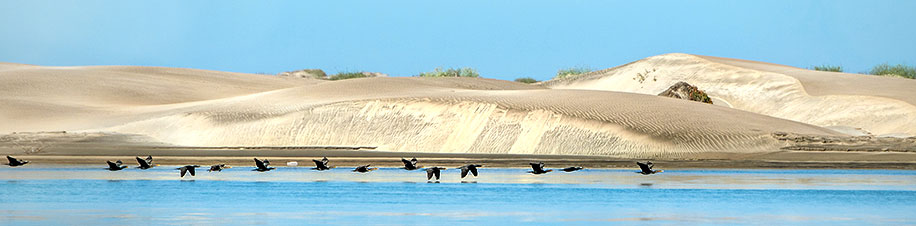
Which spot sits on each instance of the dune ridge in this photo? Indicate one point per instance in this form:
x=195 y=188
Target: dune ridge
x=187 y=107
x=881 y=105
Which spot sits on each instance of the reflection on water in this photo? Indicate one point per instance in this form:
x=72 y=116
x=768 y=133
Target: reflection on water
x=39 y=194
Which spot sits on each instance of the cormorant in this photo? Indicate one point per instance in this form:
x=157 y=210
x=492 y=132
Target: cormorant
x=145 y=163
x=15 y=162
x=218 y=167
x=321 y=164
x=115 y=166
x=263 y=166
x=364 y=169
x=469 y=168
x=433 y=171
x=538 y=168
x=411 y=164
x=187 y=169
x=646 y=168
x=572 y=168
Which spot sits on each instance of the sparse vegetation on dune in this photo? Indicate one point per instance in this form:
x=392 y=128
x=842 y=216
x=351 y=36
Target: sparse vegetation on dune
x=828 y=68
x=572 y=71
x=898 y=70
x=347 y=75
x=451 y=72
x=527 y=80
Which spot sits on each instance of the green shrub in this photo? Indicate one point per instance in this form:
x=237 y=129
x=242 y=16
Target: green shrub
x=451 y=72
x=828 y=68
x=347 y=75
x=899 y=70
x=527 y=80
x=573 y=71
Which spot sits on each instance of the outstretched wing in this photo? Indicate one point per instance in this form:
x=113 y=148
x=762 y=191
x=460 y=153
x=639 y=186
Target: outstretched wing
x=191 y=170
x=437 y=174
x=12 y=160
x=259 y=163
x=112 y=165
x=143 y=163
x=473 y=170
x=184 y=170
x=464 y=172
x=318 y=163
x=643 y=167
x=429 y=174
x=536 y=166
x=406 y=162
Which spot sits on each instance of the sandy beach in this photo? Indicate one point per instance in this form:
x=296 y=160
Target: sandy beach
x=763 y=116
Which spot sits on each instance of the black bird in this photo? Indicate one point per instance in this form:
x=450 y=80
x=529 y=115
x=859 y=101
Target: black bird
x=469 y=168
x=145 y=163
x=321 y=164
x=646 y=168
x=217 y=167
x=410 y=164
x=115 y=166
x=572 y=169
x=187 y=169
x=364 y=169
x=433 y=171
x=538 y=168
x=15 y=162
x=263 y=166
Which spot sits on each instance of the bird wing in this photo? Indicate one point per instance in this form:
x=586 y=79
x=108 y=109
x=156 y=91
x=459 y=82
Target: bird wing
x=191 y=170
x=429 y=173
x=183 y=170
x=464 y=172
x=259 y=163
x=12 y=160
x=318 y=163
x=437 y=174
x=643 y=167
x=536 y=166
x=473 y=170
x=143 y=163
x=406 y=162
x=112 y=165
x=149 y=159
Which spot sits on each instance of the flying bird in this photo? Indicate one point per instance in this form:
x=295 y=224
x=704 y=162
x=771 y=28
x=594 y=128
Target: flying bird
x=646 y=168
x=469 y=168
x=187 y=169
x=364 y=169
x=410 y=164
x=433 y=171
x=538 y=168
x=15 y=162
x=263 y=166
x=321 y=164
x=145 y=163
x=572 y=169
x=115 y=166
x=218 y=168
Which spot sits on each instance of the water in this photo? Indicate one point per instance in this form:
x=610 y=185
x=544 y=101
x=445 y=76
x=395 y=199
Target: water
x=55 y=194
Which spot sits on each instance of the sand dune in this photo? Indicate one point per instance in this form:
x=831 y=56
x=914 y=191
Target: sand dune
x=880 y=105
x=188 y=107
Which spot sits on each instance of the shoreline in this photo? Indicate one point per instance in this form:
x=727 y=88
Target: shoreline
x=503 y=162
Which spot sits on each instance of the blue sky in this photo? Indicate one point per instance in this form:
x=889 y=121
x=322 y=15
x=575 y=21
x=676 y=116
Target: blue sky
x=502 y=39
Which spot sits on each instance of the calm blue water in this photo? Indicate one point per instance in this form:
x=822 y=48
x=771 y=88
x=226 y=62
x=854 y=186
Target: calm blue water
x=41 y=195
